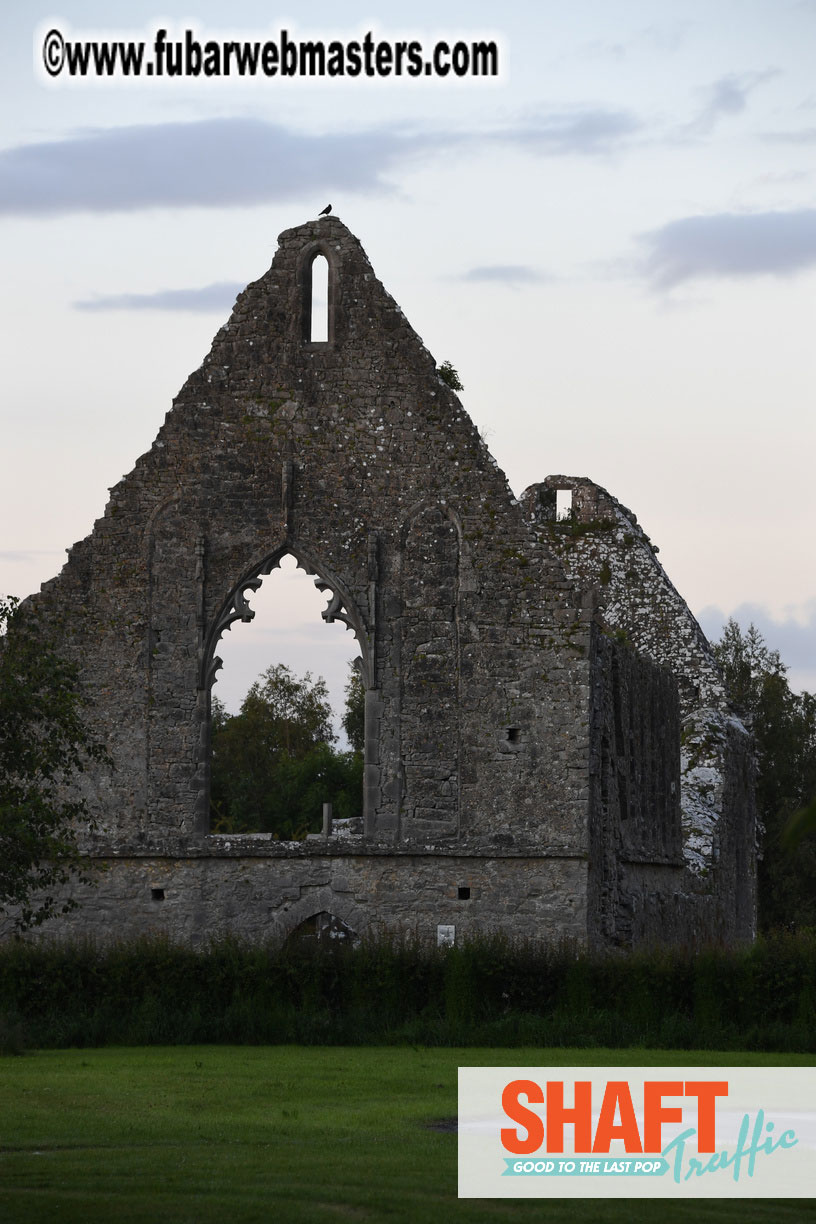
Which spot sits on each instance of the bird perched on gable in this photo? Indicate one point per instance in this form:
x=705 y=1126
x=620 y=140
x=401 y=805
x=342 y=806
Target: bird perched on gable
x=324 y=212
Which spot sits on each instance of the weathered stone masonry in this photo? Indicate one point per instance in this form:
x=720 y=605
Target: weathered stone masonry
x=523 y=769
x=602 y=546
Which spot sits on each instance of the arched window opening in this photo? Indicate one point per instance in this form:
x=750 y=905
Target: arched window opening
x=323 y=927
x=286 y=716
x=319 y=327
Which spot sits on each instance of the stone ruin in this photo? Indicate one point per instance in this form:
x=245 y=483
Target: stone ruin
x=549 y=750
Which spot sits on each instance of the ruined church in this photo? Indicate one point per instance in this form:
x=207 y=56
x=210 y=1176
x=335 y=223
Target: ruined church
x=549 y=750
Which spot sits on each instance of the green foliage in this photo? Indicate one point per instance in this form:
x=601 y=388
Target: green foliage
x=488 y=992
x=800 y=825
x=354 y=716
x=12 y=1038
x=450 y=376
x=290 y=715
x=44 y=743
x=784 y=727
x=273 y=765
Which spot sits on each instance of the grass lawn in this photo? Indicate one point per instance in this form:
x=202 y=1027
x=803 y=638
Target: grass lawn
x=280 y=1134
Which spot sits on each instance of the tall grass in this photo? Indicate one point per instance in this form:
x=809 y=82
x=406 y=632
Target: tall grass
x=489 y=992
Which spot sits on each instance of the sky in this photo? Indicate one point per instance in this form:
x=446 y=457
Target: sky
x=614 y=243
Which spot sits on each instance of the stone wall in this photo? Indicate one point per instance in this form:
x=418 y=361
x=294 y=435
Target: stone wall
x=605 y=549
x=356 y=458
x=256 y=890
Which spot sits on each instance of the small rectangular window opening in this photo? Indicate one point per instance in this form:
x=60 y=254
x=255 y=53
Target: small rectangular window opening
x=157 y=894
x=514 y=734
x=319 y=331
x=463 y=892
x=445 y=936
x=563 y=503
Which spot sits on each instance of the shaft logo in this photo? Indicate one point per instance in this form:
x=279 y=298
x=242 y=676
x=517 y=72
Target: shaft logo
x=637 y=1124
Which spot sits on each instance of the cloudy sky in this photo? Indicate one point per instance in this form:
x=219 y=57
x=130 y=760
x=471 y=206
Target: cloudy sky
x=615 y=245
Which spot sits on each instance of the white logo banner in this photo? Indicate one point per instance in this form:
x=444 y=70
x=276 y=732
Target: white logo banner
x=637 y=1132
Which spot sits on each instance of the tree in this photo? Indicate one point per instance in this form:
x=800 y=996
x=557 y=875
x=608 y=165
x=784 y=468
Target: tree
x=354 y=716
x=801 y=824
x=450 y=375
x=273 y=765
x=784 y=728
x=44 y=743
x=292 y=715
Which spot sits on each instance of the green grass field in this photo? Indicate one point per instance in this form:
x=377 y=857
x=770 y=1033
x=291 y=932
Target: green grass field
x=280 y=1134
